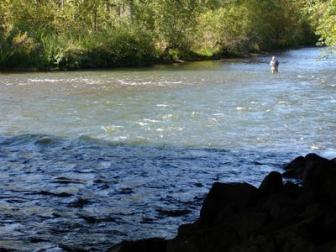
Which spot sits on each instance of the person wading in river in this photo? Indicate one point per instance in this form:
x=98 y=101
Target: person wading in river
x=274 y=65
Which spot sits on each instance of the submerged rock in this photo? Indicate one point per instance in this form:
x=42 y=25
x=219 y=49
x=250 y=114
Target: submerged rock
x=237 y=217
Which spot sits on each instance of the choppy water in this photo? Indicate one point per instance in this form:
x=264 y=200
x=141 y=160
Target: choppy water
x=88 y=159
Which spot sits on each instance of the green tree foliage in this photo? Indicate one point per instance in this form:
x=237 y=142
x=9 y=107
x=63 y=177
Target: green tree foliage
x=70 y=34
x=219 y=32
x=254 y=25
x=323 y=17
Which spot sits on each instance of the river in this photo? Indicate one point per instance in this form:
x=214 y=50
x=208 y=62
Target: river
x=90 y=158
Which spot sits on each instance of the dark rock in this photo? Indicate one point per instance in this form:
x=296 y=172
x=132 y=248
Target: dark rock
x=313 y=158
x=257 y=244
x=295 y=168
x=282 y=210
x=225 y=199
x=320 y=179
x=272 y=183
x=147 y=245
x=314 y=163
x=292 y=188
x=320 y=225
x=218 y=238
x=292 y=174
x=187 y=229
x=297 y=163
x=248 y=222
x=328 y=247
x=299 y=166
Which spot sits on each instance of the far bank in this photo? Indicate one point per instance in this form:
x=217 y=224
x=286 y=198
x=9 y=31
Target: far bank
x=100 y=35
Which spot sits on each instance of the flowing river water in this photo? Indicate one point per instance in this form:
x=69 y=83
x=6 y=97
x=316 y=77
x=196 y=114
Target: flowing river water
x=90 y=158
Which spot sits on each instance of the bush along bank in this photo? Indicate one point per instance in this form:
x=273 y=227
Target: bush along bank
x=68 y=34
x=121 y=48
x=277 y=216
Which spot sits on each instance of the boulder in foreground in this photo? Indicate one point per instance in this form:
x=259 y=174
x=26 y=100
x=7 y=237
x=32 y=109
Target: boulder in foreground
x=238 y=217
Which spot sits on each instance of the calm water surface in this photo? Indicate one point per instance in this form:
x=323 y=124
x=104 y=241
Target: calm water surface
x=91 y=158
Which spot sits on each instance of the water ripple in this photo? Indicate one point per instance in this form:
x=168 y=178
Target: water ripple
x=90 y=194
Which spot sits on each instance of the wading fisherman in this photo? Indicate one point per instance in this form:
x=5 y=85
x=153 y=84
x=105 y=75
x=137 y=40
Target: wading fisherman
x=274 y=64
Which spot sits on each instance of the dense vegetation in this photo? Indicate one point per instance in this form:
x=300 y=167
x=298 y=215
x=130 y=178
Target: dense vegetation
x=323 y=16
x=70 y=34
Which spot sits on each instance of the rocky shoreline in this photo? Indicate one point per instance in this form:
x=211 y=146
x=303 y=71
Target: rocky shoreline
x=277 y=216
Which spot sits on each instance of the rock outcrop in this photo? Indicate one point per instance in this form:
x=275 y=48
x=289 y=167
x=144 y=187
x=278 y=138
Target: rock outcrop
x=277 y=216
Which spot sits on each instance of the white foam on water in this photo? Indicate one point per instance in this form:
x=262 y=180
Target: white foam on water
x=111 y=128
x=212 y=119
x=170 y=82
x=142 y=124
x=147 y=82
x=150 y=120
x=134 y=83
x=79 y=80
x=176 y=128
x=315 y=147
x=168 y=116
x=46 y=80
x=194 y=113
x=120 y=138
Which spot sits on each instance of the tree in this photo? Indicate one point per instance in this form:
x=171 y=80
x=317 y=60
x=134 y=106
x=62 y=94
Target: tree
x=323 y=17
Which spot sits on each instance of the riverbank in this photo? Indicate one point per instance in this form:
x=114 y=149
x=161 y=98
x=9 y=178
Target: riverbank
x=87 y=62
x=132 y=64
x=277 y=216
x=151 y=62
